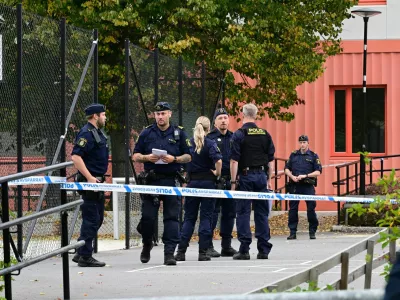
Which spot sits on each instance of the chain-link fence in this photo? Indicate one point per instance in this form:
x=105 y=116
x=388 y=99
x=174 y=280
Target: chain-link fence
x=31 y=100
x=189 y=89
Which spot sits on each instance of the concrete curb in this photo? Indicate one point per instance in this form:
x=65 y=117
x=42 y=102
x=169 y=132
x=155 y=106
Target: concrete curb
x=351 y=229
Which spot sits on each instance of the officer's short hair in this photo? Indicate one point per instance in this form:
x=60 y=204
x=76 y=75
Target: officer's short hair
x=250 y=110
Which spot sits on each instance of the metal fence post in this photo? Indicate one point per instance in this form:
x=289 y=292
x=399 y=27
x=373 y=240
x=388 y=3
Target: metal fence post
x=368 y=265
x=344 y=278
x=96 y=68
x=19 y=126
x=63 y=172
x=156 y=77
x=180 y=90
x=203 y=87
x=338 y=194
x=127 y=150
x=6 y=239
x=362 y=175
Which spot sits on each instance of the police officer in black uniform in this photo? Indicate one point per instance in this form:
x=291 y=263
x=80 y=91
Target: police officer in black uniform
x=222 y=136
x=204 y=169
x=303 y=167
x=252 y=148
x=90 y=157
x=162 y=171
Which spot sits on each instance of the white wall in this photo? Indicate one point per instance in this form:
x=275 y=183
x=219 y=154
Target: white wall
x=380 y=27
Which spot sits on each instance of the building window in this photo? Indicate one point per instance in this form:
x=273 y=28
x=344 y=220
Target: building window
x=348 y=111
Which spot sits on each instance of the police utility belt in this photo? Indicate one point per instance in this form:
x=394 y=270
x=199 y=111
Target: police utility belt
x=146 y=177
x=244 y=171
x=305 y=181
x=90 y=194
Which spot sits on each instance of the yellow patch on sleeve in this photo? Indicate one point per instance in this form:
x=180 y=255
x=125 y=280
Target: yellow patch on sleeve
x=188 y=143
x=82 y=142
x=318 y=161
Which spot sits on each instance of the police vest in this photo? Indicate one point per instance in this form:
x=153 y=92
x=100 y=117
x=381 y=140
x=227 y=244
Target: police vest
x=254 y=150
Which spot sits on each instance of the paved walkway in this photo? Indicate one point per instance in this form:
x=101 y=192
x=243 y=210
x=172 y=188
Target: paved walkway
x=126 y=277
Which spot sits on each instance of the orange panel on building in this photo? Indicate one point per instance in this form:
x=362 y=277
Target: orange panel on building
x=316 y=118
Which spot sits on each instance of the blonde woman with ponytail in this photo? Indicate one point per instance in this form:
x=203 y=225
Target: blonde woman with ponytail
x=204 y=169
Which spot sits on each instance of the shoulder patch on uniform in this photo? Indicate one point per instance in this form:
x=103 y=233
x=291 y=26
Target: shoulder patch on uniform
x=218 y=149
x=148 y=126
x=181 y=127
x=294 y=151
x=82 y=142
x=318 y=161
x=188 y=143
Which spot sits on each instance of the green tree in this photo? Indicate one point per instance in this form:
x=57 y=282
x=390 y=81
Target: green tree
x=275 y=45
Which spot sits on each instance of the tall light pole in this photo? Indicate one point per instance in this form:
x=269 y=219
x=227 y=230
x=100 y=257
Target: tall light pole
x=365 y=13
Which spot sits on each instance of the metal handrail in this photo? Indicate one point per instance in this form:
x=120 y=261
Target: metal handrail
x=35 y=172
x=40 y=214
x=312 y=273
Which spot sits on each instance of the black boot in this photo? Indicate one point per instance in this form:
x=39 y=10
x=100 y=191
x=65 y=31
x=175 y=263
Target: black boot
x=90 y=262
x=292 y=236
x=241 y=256
x=145 y=255
x=76 y=258
x=262 y=255
x=203 y=256
x=228 y=251
x=180 y=254
x=312 y=236
x=211 y=252
x=169 y=259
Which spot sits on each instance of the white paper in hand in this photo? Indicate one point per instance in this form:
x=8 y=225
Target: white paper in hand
x=159 y=152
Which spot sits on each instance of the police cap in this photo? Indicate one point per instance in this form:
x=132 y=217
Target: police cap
x=220 y=111
x=303 y=138
x=161 y=106
x=94 y=108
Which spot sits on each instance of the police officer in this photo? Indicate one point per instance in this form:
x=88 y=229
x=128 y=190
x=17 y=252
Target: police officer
x=206 y=156
x=303 y=167
x=222 y=136
x=251 y=149
x=90 y=157
x=162 y=171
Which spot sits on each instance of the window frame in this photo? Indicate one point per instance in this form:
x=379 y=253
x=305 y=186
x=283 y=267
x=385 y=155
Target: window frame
x=348 y=120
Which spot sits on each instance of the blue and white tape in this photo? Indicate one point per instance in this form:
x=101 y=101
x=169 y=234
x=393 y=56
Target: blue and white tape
x=38 y=180
x=207 y=193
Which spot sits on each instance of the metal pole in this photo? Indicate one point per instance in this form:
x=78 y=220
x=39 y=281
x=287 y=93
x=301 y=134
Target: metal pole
x=156 y=62
x=127 y=150
x=364 y=123
x=338 y=194
x=180 y=90
x=362 y=175
x=138 y=88
x=6 y=239
x=96 y=68
x=223 y=91
x=19 y=126
x=203 y=87
x=63 y=172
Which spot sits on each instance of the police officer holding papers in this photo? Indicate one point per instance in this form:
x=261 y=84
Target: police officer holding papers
x=162 y=147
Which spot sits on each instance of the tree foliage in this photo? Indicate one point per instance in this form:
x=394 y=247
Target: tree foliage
x=275 y=45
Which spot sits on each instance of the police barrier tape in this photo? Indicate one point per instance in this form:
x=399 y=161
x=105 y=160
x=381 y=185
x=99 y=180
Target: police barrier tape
x=38 y=180
x=208 y=193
